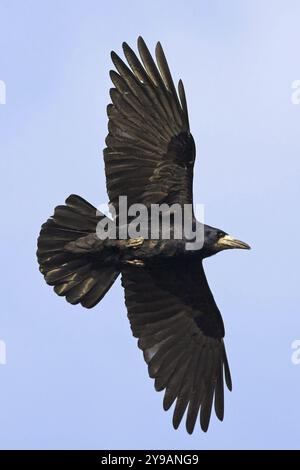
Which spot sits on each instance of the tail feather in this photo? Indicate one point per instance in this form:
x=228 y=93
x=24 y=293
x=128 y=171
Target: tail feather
x=81 y=278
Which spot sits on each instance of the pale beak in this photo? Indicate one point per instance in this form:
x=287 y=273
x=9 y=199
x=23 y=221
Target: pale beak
x=228 y=242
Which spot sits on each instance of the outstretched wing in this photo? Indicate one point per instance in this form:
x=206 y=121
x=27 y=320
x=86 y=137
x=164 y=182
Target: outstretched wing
x=180 y=329
x=150 y=152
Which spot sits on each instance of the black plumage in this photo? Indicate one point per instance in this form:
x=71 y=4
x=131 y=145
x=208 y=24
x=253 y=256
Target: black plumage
x=149 y=157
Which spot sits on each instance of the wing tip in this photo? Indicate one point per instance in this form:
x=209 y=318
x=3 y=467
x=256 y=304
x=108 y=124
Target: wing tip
x=227 y=373
x=158 y=47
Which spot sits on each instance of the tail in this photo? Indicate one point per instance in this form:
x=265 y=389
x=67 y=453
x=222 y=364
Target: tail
x=80 y=277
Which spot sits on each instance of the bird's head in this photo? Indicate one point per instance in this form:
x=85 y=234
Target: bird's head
x=216 y=240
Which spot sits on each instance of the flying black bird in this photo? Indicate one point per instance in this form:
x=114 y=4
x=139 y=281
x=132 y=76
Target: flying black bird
x=149 y=158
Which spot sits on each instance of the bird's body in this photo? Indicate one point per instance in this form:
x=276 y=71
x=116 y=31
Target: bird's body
x=149 y=158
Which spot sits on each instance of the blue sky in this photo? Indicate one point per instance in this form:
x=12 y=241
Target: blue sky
x=75 y=378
